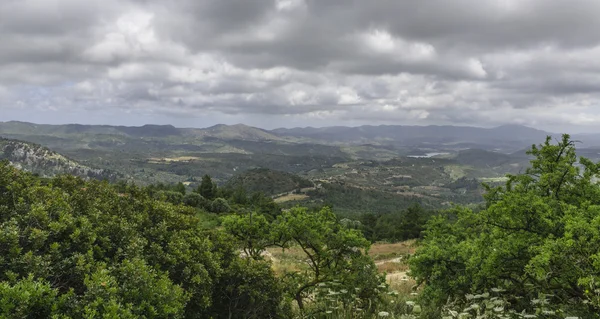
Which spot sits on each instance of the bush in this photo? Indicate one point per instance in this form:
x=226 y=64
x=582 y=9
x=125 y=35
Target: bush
x=172 y=197
x=194 y=200
x=220 y=206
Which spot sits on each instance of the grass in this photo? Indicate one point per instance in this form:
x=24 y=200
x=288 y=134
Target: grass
x=390 y=259
x=381 y=251
x=392 y=267
x=288 y=260
x=401 y=283
x=290 y=197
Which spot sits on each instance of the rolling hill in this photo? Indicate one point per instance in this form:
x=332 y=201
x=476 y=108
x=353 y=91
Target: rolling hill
x=44 y=162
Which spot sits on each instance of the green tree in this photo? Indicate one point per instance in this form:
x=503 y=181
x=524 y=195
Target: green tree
x=253 y=232
x=29 y=298
x=220 y=206
x=172 y=197
x=207 y=188
x=335 y=254
x=194 y=200
x=248 y=288
x=70 y=248
x=180 y=188
x=539 y=234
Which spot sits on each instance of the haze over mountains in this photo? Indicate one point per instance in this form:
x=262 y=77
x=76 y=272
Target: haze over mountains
x=502 y=137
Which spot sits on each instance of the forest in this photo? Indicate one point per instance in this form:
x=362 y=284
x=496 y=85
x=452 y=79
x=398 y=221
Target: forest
x=74 y=248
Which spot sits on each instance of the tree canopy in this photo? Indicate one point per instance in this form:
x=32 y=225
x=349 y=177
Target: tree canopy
x=76 y=249
x=539 y=235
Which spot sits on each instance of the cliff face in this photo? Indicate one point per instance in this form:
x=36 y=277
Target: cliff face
x=40 y=160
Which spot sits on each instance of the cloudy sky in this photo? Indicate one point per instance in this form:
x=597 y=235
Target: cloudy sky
x=274 y=63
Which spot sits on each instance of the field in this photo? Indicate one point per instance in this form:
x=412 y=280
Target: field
x=290 y=197
x=390 y=259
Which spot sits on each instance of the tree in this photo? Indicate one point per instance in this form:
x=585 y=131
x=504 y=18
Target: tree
x=77 y=249
x=248 y=288
x=207 y=188
x=180 y=188
x=220 y=206
x=194 y=200
x=29 y=298
x=335 y=254
x=253 y=232
x=172 y=197
x=539 y=234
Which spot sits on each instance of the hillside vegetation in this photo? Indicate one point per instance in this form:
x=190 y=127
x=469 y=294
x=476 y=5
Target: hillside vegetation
x=87 y=249
x=71 y=248
x=533 y=250
x=268 y=181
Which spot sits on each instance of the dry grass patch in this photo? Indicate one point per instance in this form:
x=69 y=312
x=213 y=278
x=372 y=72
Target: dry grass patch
x=381 y=251
x=390 y=267
x=290 y=197
x=289 y=260
x=401 y=283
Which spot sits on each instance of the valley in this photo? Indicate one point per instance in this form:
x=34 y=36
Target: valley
x=355 y=170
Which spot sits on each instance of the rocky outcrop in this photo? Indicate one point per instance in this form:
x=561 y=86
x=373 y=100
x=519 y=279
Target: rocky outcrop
x=40 y=160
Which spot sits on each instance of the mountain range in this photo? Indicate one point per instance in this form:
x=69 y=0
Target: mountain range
x=508 y=137
x=355 y=169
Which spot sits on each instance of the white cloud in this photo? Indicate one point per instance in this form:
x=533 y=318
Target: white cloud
x=304 y=62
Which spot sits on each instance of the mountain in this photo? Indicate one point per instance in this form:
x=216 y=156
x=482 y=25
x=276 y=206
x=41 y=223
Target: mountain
x=220 y=131
x=504 y=137
x=40 y=160
x=234 y=132
x=356 y=169
x=515 y=136
x=149 y=130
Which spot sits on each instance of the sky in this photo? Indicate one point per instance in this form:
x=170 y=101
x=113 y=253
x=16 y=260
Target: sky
x=288 y=63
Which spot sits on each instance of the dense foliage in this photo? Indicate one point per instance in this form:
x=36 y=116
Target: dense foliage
x=397 y=226
x=70 y=248
x=334 y=253
x=538 y=238
x=268 y=181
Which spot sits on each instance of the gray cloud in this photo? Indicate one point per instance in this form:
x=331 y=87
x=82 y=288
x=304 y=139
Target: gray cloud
x=302 y=62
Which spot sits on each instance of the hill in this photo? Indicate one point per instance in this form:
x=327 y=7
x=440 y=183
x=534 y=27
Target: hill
x=482 y=158
x=44 y=162
x=231 y=132
x=509 y=137
x=267 y=181
x=234 y=132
